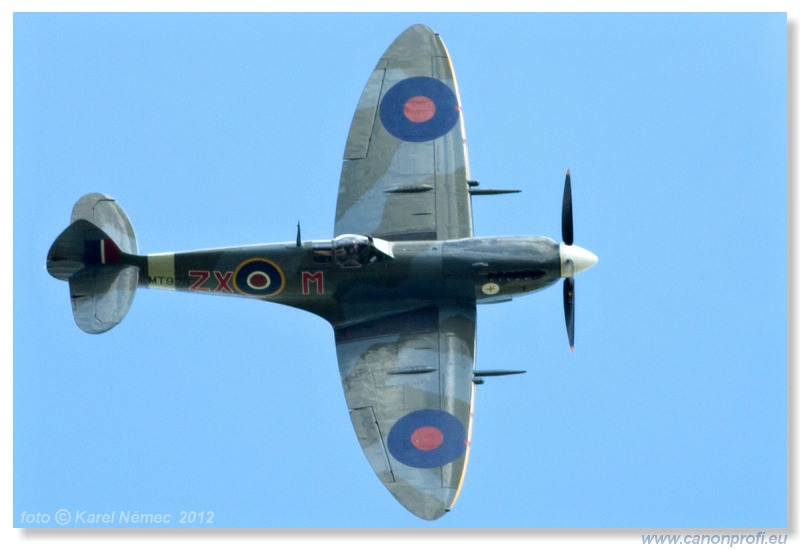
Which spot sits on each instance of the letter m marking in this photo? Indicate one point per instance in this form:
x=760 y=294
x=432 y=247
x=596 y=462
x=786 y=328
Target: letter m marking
x=318 y=278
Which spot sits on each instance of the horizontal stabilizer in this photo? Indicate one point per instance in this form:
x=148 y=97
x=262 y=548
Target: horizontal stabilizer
x=90 y=255
x=101 y=299
x=109 y=217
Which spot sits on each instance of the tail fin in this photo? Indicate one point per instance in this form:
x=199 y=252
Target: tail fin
x=90 y=254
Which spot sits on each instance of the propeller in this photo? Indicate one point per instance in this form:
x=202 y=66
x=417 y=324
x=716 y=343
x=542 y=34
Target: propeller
x=566 y=212
x=574 y=259
x=569 y=282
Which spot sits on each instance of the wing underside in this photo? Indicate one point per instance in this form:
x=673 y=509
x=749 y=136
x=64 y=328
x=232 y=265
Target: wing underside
x=405 y=168
x=407 y=381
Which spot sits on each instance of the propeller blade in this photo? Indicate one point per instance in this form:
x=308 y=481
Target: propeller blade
x=569 y=310
x=566 y=212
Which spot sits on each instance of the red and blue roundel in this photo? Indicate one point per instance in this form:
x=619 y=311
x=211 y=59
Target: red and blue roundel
x=419 y=109
x=259 y=278
x=427 y=438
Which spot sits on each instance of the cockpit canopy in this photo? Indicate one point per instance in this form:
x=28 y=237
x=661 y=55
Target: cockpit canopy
x=358 y=251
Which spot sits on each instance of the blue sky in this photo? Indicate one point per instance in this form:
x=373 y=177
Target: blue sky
x=226 y=129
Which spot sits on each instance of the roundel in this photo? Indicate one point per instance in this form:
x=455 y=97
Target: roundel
x=427 y=438
x=419 y=109
x=258 y=277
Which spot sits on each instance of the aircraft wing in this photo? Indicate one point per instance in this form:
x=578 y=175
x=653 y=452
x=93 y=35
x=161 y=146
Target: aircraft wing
x=407 y=381
x=405 y=168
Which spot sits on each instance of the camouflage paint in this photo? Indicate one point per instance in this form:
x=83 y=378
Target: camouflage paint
x=402 y=302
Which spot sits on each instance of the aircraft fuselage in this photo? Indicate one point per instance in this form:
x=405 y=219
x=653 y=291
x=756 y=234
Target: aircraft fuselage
x=313 y=276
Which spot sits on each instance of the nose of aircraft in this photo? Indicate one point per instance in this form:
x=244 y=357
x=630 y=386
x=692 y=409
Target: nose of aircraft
x=575 y=259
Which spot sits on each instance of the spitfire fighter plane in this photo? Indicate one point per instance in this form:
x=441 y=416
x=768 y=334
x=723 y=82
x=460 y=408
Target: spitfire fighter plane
x=399 y=282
